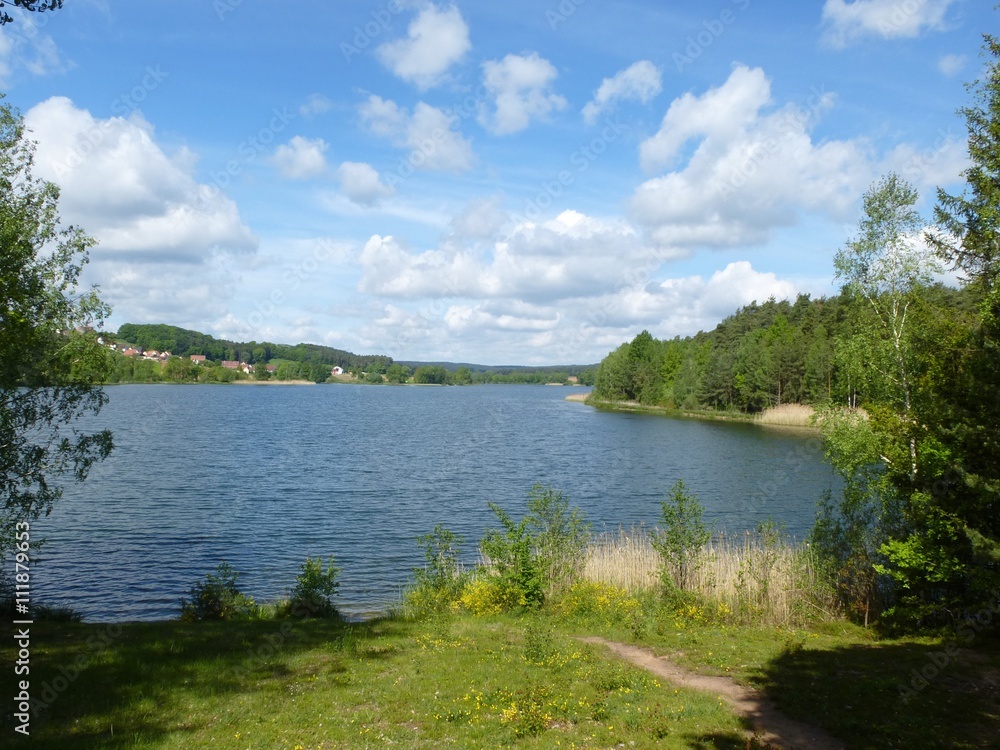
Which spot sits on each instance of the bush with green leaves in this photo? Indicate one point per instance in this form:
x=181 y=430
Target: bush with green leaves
x=511 y=558
x=315 y=587
x=559 y=536
x=681 y=541
x=216 y=597
x=541 y=555
x=439 y=583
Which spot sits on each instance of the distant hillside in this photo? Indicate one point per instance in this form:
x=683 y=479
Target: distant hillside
x=501 y=369
x=182 y=342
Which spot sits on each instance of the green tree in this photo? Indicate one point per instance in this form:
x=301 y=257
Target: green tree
x=559 y=536
x=315 y=587
x=818 y=376
x=511 y=558
x=430 y=374
x=884 y=270
x=397 y=373
x=680 y=542
x=50 y=362
x=958 y=505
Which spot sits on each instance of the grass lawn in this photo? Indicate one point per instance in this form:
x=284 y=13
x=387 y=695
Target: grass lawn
x=480 y=682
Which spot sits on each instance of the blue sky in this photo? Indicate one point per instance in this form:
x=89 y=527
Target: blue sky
x=520 y=182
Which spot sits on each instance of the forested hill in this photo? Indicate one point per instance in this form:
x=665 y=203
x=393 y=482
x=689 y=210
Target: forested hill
x=182 y=342
x=763 y=355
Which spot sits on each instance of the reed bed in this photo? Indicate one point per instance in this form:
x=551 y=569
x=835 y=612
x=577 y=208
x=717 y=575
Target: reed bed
x=760 y=577
x=787 y=415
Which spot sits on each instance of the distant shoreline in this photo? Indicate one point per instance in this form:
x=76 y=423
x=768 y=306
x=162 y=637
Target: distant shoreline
x=799 y=422
x=269 y=382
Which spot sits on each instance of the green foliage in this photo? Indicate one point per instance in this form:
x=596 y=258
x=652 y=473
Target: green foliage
x=315 y=587
x=430 y=375
x=541 y=555
x=439 y=584
x=511 y=558
x=217 y=597
x=681 y=540
x=50 y=362
x=182 y=342
x=559 y=536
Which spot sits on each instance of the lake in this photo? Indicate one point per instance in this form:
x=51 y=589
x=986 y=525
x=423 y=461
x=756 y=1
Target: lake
x=264 y=476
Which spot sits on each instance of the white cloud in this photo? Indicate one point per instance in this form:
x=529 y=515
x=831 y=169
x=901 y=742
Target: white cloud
x=361 y=183
x=121 y=187
x=740 y=170
x=928 y=169
x=301 y=158
x=384 y=117
x=951 y=65
x=521 y=86
x=428 y=132
x=24 y=47
x=640 y=82
x=481 y=218
x=316 y=104
x=436 y=39
x=846 y=22
x=570 y=256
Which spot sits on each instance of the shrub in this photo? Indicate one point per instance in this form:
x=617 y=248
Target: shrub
x=511 y=558
x=587 y=598
x=560 y=537
x=315 y=587
x=489 y=596
x=439 y=583
x=217 y=598
x=680 y=543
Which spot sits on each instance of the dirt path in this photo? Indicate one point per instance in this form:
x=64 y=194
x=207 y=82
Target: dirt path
x=770 y=724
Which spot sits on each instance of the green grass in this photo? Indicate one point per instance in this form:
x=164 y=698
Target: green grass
x=509 y=681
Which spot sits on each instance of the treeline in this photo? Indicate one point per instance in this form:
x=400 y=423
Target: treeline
x=122 y=369
x=763 y=355
x=182 y=342
x=470 y=374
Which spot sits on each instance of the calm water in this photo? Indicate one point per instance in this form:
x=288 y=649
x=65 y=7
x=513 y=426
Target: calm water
x=265 y=476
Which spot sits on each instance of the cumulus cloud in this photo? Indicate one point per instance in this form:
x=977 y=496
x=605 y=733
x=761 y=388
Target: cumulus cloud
x=688 y=304
x=361 y=183
x=301 y=158
x=521 y=87
x=573 y=255
x=436 y=39
x=846 y=22
x=640 y=82
x=428 y=131
x=119 y=185
x=741 y=167
x=927 y=169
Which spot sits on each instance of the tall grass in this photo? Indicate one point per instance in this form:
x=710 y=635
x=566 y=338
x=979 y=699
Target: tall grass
x=787 y=415
x=761 y=577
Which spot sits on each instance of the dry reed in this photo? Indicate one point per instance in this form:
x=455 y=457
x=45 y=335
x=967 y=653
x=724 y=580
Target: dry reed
x=787 y=415
x=759 y=577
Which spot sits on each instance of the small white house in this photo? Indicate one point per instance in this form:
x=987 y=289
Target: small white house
x=338 y=370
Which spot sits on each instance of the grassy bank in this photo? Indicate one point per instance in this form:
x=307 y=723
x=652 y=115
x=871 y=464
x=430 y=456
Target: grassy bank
x=517 y=680
x=482 y=659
